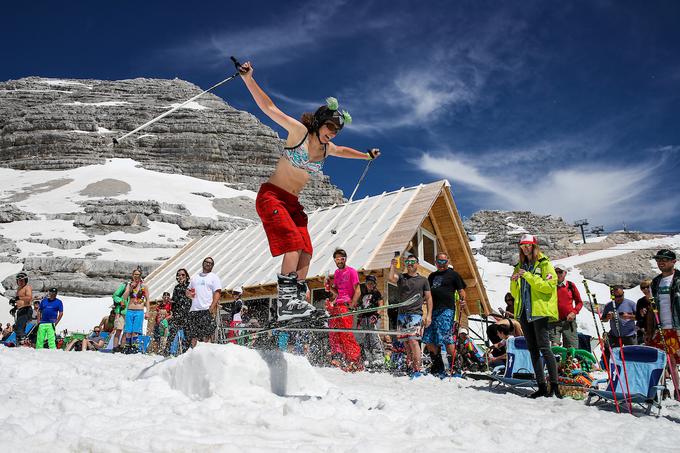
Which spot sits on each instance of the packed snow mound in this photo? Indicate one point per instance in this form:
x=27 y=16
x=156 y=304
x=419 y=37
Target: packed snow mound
x=231 y=371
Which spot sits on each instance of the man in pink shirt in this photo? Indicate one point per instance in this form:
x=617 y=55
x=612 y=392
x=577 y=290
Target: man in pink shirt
x=345 y=349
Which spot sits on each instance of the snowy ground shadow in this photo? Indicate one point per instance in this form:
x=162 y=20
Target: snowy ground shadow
x=278 y=370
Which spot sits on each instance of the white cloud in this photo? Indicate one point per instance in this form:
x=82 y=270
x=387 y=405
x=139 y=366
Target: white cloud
x=602 y=192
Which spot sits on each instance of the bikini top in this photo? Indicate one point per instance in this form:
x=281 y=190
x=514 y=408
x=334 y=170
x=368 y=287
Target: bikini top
x=299 y=157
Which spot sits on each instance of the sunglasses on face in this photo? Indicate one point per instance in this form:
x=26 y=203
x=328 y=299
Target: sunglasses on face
x=526 y=246
x=644 y=287
x=442 y=262
x=559 y=271
x=410 y=262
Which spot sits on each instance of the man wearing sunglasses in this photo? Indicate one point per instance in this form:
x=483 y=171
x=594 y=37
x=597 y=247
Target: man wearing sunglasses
x=625 y=328
x=569 y=304
x=412 y=285
x=446 y=286
x=666 y=291
x=205 y=290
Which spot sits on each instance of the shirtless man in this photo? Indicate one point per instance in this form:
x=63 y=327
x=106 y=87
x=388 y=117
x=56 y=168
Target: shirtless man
x=24 y=299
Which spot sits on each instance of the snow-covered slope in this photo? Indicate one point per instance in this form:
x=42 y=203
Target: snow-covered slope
x=220 y=398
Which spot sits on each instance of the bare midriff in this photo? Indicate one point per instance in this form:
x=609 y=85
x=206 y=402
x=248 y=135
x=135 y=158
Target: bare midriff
x=289 y=178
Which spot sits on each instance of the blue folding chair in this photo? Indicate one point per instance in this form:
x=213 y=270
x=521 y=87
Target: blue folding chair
x=518 y=371
x=645 y=367
x=11 y=340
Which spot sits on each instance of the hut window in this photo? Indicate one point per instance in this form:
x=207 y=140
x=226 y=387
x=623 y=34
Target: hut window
x=429 y=247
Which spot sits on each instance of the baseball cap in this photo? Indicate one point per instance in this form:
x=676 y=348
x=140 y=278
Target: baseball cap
x=528 y=239
x=371 y=278
x=665 y=254
x=238 y=289
x=463 y=330
x=53 y=290
x=561 y=267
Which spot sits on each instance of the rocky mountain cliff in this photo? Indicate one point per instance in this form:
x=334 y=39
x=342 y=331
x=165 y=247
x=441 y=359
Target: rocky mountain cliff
x=61 y=124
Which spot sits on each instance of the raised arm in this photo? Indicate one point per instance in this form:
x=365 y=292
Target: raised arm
x=267 y=106
x=351 y=153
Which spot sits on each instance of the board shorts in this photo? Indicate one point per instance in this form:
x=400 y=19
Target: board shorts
x=672 y=342
x=440 y=329
x=201 y=324
x=133 y=321
x=284 y=220
x=409 y=321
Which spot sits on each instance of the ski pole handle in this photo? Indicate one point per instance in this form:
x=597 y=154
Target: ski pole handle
x=236 y=63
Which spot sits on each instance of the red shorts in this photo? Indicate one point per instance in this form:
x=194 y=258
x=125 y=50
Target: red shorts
x=284 y=220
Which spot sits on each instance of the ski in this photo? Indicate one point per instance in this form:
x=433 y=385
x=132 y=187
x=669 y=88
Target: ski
x=315 y=320
x=328 y=329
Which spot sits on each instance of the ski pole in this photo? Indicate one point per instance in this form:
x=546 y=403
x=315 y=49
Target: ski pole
x=659 y=327
x=623 y=356
x=163 y=115
x=593 y=310
x=363 y=175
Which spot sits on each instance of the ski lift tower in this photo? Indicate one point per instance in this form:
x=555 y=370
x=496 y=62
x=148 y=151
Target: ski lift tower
x=581 y=223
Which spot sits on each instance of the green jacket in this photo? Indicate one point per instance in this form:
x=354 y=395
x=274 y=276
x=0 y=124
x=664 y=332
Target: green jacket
x=120 y=304
x=543 y=282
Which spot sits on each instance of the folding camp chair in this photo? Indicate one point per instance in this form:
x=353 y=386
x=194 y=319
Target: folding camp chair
x=518 y=371
x=11 y=340
x=645 y=367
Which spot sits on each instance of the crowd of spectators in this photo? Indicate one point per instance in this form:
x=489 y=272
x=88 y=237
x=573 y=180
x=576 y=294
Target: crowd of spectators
x=542 y=306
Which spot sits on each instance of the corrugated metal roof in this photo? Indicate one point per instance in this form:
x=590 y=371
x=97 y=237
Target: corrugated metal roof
x=242 y=256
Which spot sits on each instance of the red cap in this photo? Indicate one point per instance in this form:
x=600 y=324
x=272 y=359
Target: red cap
x=528 y=239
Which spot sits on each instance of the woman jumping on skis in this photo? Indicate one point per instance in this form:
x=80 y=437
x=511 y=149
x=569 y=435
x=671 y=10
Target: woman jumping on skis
x=307 y=145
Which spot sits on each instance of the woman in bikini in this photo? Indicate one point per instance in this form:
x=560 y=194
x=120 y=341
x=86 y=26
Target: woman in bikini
x=307 y=145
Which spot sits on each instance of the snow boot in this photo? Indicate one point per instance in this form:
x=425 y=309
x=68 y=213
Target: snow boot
x=555 y=390
x=289 y=305
x=542 y=391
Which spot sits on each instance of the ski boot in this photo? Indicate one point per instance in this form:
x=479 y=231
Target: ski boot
x=289 y=305
x=542 y=391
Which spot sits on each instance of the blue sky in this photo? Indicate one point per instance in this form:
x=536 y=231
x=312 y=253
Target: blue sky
x=567 y=108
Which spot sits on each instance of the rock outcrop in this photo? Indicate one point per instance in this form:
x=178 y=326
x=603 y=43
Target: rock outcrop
x=77 y=276
x=60 y=124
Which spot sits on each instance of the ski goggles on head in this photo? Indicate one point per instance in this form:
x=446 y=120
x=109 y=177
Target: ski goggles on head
x=410 y=262
x=441 y=262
